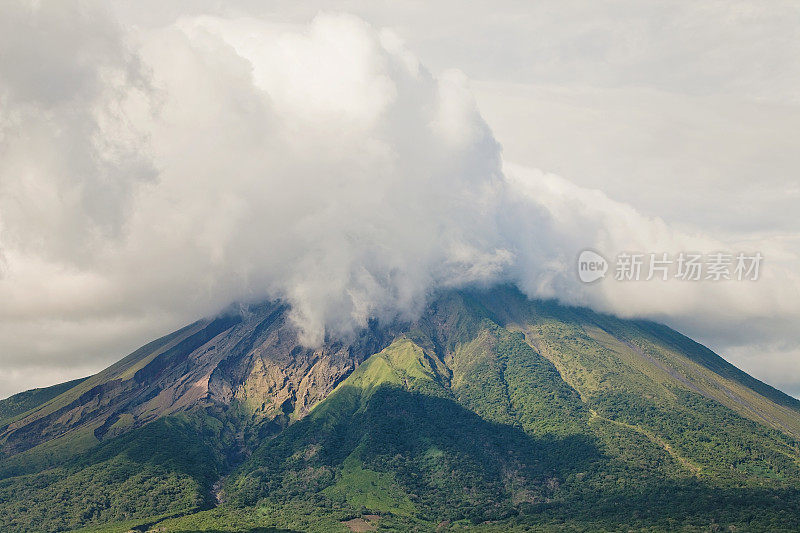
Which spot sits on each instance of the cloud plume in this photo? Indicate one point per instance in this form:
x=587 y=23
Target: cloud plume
x=321 y=164
x=167 y=172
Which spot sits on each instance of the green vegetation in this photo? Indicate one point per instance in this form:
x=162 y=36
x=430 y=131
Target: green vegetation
x=163 y=468
x=359 y=487
x=490 y=413
x=16 y=405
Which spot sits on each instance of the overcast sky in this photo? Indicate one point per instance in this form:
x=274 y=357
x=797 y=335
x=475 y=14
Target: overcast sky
x=158 y=162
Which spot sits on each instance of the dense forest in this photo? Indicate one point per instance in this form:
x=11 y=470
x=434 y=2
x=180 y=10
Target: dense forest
x=490 y=413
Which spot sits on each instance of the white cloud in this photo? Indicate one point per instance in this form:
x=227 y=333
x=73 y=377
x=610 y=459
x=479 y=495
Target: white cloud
x=720 y=163
x=316 y=163
x=727 y=313
x=154 y=174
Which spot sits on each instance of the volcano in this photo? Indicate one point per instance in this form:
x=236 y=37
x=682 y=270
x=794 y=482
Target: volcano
x=490 y=412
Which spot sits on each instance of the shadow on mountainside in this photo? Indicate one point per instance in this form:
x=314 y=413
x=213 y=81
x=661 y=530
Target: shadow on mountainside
x=253 y=530
x=450 y=464
x=443 y=461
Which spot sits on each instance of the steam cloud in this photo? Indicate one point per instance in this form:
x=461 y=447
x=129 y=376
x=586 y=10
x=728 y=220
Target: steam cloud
x=173 y=171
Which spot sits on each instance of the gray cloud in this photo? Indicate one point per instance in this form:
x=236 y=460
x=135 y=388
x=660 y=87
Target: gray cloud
x=69 y=159
x=154 y=174
x=319 y=163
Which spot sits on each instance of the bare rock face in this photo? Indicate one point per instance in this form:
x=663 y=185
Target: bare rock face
x=247 y=362
x=247 y=368
x=268 y=374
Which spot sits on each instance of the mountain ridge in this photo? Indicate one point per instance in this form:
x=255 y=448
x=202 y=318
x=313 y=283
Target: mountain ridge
x=489 y=408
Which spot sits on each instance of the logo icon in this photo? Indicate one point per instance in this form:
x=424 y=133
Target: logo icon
x=591 y=266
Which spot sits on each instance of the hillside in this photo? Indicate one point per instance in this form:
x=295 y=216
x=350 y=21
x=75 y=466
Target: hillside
x=489 y=412
x=30 y=399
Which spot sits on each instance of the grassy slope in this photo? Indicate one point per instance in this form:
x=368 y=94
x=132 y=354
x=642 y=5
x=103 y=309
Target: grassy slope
x=72 y=394
x=627 y=375
x=164 y=468
x=630 y=437
x=393 y=440
x=66 y=410
x=492 y=412
x=25 y=401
